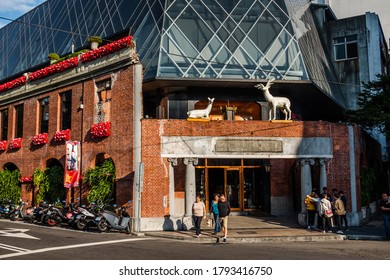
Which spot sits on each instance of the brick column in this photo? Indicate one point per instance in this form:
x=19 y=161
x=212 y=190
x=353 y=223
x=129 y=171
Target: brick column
x=190 y=186
x=172 y=163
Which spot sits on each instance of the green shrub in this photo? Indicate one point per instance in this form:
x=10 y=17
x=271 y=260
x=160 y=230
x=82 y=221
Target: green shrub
x=10 y=185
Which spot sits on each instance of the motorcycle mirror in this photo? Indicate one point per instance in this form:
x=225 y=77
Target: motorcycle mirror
x=114 y=205
x=83 y=205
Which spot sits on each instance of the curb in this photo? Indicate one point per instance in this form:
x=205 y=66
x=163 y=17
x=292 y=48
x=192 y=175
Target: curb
x=365 y=237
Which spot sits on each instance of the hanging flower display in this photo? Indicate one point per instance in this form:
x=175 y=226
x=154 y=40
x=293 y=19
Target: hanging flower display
x=100 y=130
x=40 y=139
x=26 y=179
x=15 y=143
x=61 y=136
x=13 y=84
x=3 y=145
x=55 y=68
x=107 y=49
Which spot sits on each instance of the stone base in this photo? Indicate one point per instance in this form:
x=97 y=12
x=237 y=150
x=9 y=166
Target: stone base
x=302 y=219
x=281 y=121
x=187 y=223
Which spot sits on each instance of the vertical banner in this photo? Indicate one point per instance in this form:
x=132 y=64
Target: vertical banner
x=72 y=173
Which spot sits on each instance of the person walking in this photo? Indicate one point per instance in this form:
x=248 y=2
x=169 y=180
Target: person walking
x=344 y=217
x=198 y=213
x=224 y=211
x=384 y=206
x=339 y=212
x=325 y=211
x=311 y=209
x=214 y=210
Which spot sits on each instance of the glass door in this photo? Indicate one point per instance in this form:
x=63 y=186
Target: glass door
x=233 y=188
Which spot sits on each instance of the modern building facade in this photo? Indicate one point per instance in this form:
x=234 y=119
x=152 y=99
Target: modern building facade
x=190 y=51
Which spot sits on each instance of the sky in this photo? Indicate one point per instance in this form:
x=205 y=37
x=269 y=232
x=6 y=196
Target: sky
x=15 y=8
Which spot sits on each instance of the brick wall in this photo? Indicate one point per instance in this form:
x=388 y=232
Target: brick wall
x=119 y=146
x=156 y=169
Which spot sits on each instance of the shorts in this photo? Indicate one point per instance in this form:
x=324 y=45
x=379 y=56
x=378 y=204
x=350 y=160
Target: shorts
x=224 y=221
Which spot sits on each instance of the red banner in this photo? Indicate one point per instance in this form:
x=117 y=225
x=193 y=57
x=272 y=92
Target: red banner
x=72 y=174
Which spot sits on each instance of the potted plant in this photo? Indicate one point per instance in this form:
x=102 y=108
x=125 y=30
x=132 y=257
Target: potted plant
x=53 y=57
x=94 y=41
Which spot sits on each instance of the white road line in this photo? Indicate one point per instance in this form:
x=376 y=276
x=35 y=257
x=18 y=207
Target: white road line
x=13 y=248
x=70 y=247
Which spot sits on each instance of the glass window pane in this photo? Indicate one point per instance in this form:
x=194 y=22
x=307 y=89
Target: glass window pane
x=66 y=110
x=351 y=38
x=19 y=110
x=352 y=50
x=4 y=124
x=224 y=162
x=44 y=111
x=340 y=52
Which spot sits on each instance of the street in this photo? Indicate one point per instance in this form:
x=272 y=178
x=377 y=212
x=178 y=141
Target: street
x=20 y=241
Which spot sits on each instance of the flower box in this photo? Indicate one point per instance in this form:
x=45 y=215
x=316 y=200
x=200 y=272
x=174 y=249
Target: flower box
x=3 y=145
x=15 y=143
x=40 y=139
x=107 y=49
x=13 y=84
x=100 y=130
x=61 y=136
x=55 y=68
x=26 y=179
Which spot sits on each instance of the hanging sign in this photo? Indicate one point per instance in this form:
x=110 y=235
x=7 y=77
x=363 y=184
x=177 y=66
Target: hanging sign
x=72 y=174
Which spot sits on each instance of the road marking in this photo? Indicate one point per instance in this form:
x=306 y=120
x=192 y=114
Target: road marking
x=71 y=247
x=12 y=248
x=16 y=232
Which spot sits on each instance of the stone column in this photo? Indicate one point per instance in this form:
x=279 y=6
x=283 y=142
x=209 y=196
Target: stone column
x=172 y=164
x=190 y=186
x=323 y=178
x=306 y=187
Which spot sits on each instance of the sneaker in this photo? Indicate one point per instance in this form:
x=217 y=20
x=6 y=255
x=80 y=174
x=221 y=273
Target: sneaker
x=340 y=232
x=309 y=227
x=324 y=231
x=224 y=239
x=196 y=236
x=214 y=233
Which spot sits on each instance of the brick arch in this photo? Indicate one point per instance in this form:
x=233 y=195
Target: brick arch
x=55 y=162
x=10 y=166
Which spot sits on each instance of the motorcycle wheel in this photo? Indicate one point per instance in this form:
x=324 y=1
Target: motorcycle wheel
x=102 y=225
x=80 y=225
x=12 y=217
x=51 y=222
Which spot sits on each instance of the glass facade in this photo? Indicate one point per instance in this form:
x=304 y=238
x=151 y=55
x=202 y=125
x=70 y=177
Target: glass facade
x=214 y=39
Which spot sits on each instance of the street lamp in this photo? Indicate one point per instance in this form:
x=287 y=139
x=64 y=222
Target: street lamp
x=267 y=166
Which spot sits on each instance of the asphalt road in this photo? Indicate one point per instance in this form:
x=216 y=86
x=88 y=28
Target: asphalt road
x=20 y=241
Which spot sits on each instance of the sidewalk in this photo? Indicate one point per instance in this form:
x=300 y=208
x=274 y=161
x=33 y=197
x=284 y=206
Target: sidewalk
x=247 y=229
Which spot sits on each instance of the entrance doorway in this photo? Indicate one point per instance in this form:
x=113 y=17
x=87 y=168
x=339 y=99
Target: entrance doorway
x=244 y=183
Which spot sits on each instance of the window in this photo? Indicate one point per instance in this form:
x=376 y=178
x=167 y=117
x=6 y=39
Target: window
x=19 y=111
x=103 y=101
x=4 y=124
x=66 y=110
x=345 y=47
x=44 y=115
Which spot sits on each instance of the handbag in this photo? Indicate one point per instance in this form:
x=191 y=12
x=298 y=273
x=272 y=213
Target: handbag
x=328 y=213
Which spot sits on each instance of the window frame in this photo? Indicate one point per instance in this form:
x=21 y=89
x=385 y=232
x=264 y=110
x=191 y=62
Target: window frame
x=347 y=40
x=40 y=115
x=61 y=108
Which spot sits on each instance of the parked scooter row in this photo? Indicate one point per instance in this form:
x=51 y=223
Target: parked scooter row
x=72 y=215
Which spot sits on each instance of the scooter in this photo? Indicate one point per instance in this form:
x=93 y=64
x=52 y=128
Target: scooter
x=20 y=211
x=86 y=217
x=110 y=220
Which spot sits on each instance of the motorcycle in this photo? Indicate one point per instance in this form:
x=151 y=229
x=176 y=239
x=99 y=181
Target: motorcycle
x=110 y=220
x=62 y=215
x=86 y=217
x=7 y=208
x=21 y=211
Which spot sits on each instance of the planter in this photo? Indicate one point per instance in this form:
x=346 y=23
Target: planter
x=101 y=130
x=15 y=143
x=3 y=145
x=62 y=136
x=26 y=180
x=94 y=45
x=40 y=139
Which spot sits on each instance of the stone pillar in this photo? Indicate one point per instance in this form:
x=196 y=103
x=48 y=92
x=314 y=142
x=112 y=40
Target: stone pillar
x=190 y=186
x=306 y=188
x=323 y=178
x=172 y=163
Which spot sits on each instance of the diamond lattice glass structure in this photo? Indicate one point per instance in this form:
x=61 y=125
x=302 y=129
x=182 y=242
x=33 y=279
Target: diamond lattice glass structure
x=212 y=39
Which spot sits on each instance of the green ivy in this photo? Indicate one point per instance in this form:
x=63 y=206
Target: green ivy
x=10 y=185
x=50 y=183
x=101 y=181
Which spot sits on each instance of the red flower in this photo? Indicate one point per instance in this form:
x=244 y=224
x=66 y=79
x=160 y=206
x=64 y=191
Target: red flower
x=62 y=135
x=3 y=145
x=26 y=179
x=107 y=49
x=100 y=130
x=15 y=143
x=13 y=84
x=40 y=139
x=55 y=68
